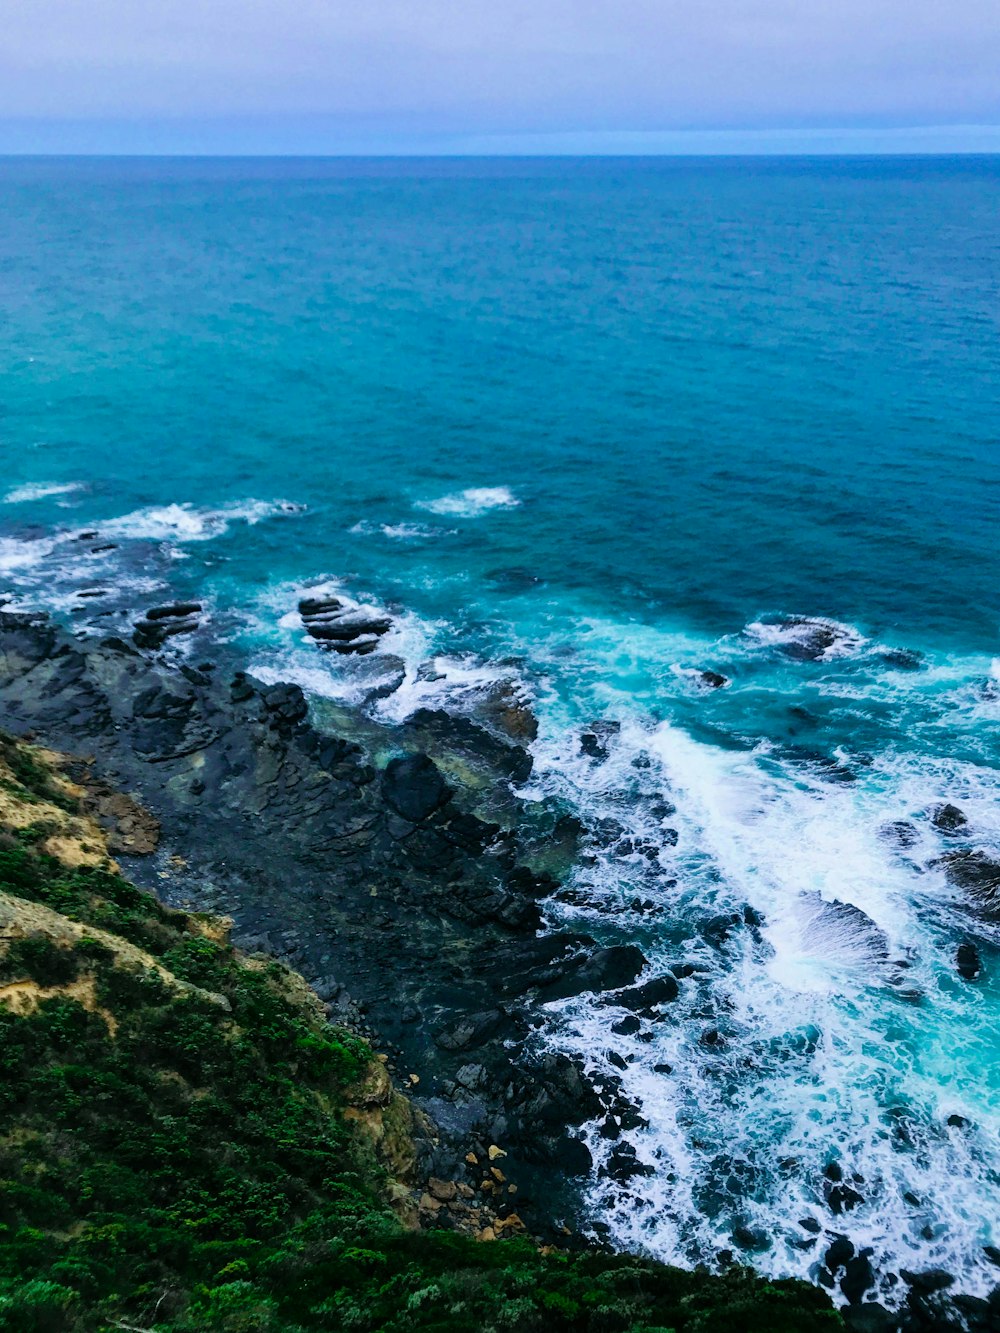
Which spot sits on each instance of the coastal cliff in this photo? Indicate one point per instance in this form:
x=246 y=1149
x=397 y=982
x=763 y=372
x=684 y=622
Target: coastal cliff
x=186 y=1142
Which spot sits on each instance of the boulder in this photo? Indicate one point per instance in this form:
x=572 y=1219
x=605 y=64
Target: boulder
x=977 y=875
x=968 y=962
x=414 y=788
x=948 y=819
x=606 y=969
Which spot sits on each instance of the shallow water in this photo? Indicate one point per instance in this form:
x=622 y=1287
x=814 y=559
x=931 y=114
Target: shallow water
x=603 y=426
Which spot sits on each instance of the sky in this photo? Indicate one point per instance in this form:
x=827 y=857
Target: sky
x=356 y=76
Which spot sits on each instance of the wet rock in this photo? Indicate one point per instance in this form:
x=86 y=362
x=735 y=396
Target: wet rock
x=900 y=832
x=286 y=703
x=606 y=969
x=930 y=1280
x=977 y=875
x=596 y=738
x=903 y=659
x=948 y=819
x=751 y=1239
x=414 y=787
x=623 y=1164
x=449 y=736
x=472 y=1030
x=508 y=708
x=838 y=1253
x=870 y=1317
x=841 y=928
x=154 y=633
x=805 y=639
x=968 y=961
x=341 y=627
x=626 y=1027
x=842 y=1198
x=718 y=929
x=859 y=1277
x=571 y=1156
x=648 y=995
x=712 y=680
x=174 y=611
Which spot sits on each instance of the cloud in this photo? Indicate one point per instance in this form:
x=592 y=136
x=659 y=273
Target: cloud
x=499 y=67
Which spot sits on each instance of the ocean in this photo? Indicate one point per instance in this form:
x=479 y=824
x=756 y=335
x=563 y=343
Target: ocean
x=601 y=426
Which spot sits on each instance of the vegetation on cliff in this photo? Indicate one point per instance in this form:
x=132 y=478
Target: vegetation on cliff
x=177 y=1153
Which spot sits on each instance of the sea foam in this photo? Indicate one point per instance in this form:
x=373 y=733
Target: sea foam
x=471 y=503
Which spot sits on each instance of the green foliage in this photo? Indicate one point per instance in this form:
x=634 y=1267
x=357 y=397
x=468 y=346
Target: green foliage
x=174 y=1160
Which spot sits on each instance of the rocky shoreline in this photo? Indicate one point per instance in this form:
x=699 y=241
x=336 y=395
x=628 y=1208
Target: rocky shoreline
x=393 y=867
x=416 y=920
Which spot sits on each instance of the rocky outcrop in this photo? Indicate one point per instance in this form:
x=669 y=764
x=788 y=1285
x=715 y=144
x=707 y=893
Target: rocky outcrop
x=342 y=627
x=413 y=917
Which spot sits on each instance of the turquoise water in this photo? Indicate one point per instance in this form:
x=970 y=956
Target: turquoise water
x=599 y=425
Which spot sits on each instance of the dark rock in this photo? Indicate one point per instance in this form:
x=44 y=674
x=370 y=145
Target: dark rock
x=472 y=1030
x=838 y=1253
x=903 y=659
x=414 y=787
x=572 y=1156
x=870 y=1317
x=977 y=874
x=811 y=1225
x=751 y=1239
x=809 y=640
x=900 y=832
x=713 y=680
x=717 y=929
x=154 y=633
x=930 y=1280
x=174 y=611
x=648 y=995
x=839 y=921
x=606 y=969
x=842 y=1198
x=595 y=739
x=623 y=1164
x=859 y=1277
x=344 y=629
x=948 y=819
x=968 y=961
x=626 y=1027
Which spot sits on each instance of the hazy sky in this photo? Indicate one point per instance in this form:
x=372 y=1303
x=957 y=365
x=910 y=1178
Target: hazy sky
x=391 y=74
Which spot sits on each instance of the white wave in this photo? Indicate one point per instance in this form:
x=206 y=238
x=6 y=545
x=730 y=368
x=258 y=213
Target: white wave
x=844 y=1034
x=18 y=557
x=396 y=531
x=472 y=502
x=41 y=491
x=186 y=523
x=814 y=637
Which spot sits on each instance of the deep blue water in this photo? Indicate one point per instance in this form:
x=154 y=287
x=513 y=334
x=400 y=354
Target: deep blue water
x=596 y=418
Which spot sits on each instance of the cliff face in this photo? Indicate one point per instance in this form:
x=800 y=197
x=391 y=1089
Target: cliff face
x=186 y=1143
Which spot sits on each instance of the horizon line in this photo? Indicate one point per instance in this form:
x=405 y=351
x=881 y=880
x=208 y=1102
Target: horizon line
x=286 y=137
